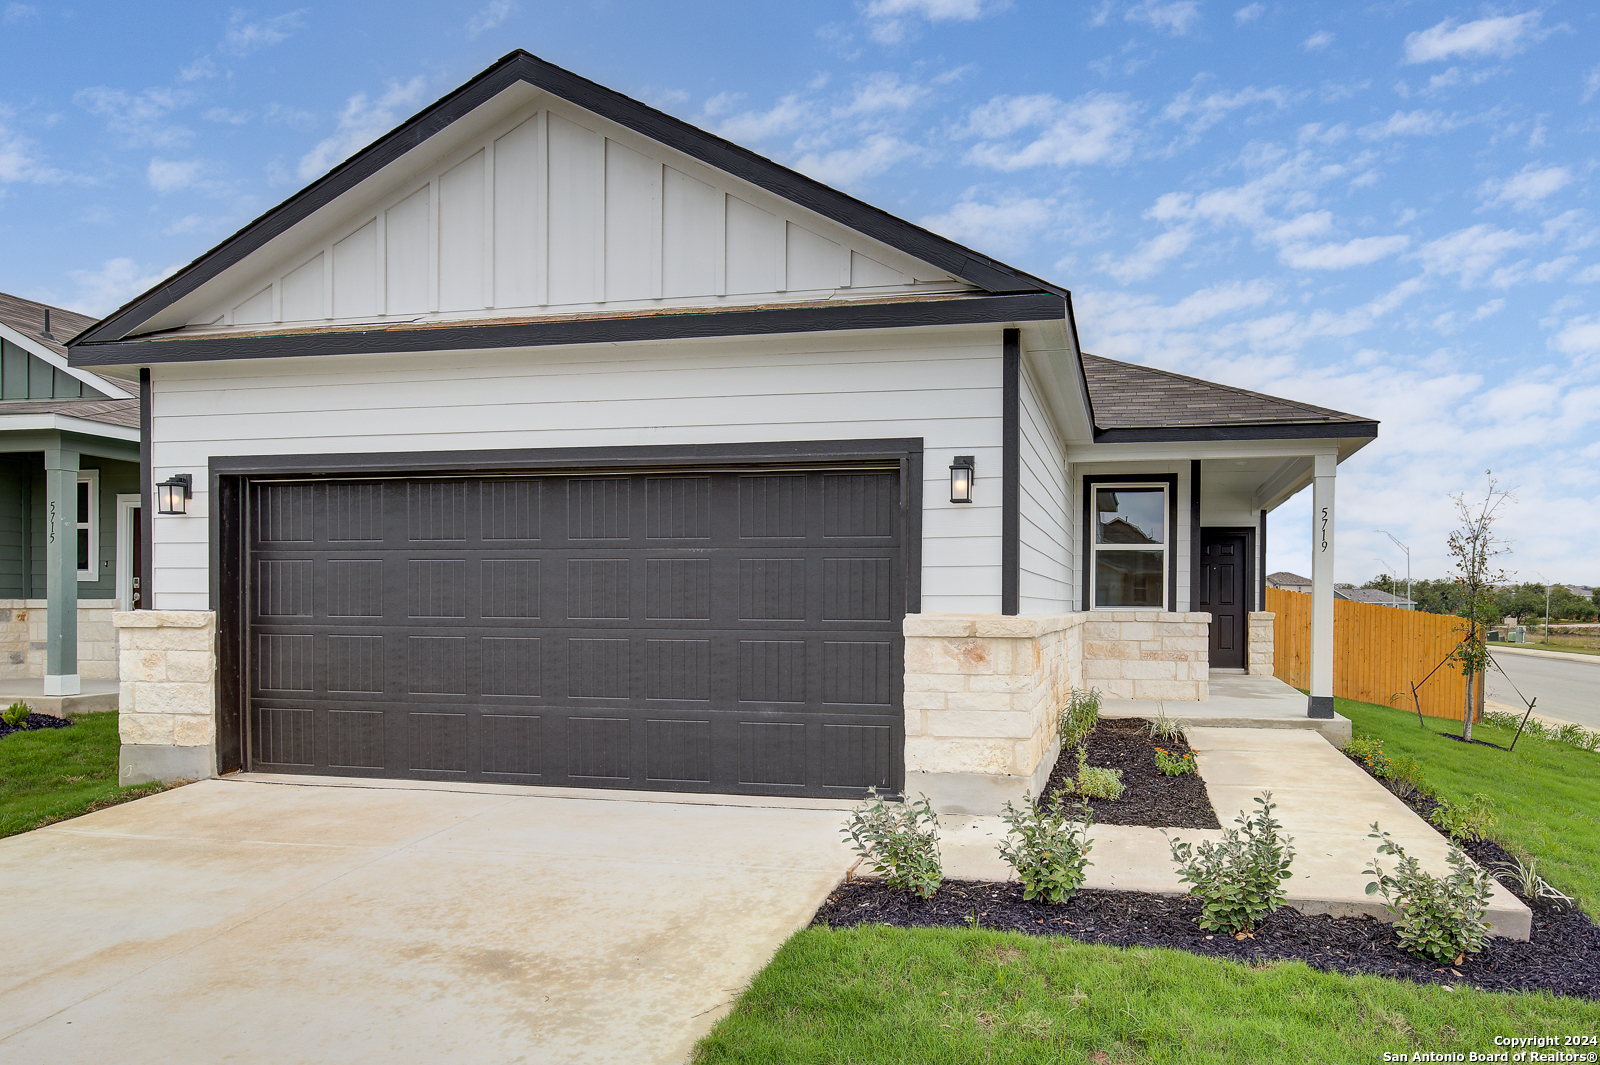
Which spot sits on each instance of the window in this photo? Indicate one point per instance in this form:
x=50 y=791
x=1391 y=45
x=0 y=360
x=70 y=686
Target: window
x=1129 y=547
x=88 y=525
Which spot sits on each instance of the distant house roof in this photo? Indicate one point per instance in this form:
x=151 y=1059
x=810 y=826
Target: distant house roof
x=123 y=412
x=1376 y=596
x=1139 y=403
x=1284 y=579
x=27 y=317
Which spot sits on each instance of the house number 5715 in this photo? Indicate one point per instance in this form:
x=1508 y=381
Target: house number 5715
x=1324 y=528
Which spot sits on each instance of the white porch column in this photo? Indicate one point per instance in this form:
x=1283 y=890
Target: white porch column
x=1322 y=526
x=61 y=571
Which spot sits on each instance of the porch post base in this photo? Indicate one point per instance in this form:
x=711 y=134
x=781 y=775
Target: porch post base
x=62 y=684
x=1319 y=706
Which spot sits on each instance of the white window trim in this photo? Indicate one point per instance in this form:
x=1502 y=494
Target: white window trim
x=92 y=478
x=127 y=514
x=1164 y=547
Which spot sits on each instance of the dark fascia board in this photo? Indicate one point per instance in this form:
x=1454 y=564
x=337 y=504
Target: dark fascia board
x=692 y=325
x=520 y=66
x=1194 y=433
x=643 y=456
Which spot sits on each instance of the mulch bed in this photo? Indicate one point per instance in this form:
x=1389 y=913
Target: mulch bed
x=1149 y=798
x=1562 y=957
x=32 y=722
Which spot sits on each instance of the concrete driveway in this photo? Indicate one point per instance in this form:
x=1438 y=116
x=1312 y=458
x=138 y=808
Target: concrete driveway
x=256 y=921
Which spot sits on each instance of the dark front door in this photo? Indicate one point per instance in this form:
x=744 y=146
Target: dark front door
x=688 y=631
x=1225 y=593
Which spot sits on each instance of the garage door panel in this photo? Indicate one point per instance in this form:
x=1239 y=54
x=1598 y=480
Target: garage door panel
x=679 y=631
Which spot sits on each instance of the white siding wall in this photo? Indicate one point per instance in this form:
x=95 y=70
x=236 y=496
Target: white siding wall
x=940 y=384
x=1045 y=585
x=1133 y=471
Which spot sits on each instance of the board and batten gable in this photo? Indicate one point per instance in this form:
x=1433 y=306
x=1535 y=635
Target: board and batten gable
x=551 y=209
x=940 y=384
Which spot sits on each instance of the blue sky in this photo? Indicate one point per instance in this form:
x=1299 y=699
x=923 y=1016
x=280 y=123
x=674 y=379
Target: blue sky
x=1385 y=209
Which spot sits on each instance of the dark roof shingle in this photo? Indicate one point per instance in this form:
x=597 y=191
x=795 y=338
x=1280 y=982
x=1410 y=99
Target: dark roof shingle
x=26 y=316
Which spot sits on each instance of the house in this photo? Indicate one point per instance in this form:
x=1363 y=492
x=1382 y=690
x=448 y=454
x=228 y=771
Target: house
x=69 y=500
x=1289 y=582
x=1375 y=596
x=552 y=440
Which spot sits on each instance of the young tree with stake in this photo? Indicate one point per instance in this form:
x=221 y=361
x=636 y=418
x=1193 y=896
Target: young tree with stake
x=1474 y=547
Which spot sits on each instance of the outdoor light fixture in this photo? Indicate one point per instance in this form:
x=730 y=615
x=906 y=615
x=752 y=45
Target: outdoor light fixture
x=172 y=495
x=962 y=472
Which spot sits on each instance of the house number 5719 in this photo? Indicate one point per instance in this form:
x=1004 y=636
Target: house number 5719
x=1324 y=528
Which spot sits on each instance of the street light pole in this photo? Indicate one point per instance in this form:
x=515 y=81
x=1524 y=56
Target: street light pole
x=1409 y=604
x=1546 y=608
x=1389 y=570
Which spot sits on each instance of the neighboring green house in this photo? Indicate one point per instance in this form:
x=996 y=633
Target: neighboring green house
x=69 y=447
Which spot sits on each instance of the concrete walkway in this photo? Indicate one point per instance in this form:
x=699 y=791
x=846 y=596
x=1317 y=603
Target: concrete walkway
x=1324 y=800
x=247 y=921
x=1239 y=701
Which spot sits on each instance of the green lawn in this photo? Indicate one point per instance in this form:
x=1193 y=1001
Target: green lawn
x=50 y=775
x=932 y=996
x=1544 y=793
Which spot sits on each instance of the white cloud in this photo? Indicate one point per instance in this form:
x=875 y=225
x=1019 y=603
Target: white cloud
x=787 y=115
x=242 y=37
x=199 y=70
x=117 y=281
x=18 y=163
x=1408 y=124
x=1317 y=41
x=1591 y=84
x=882 y=92
x=168 y=175
x=490 y=16
x=1150 y=256
x=139 y=118
x=360 y=123
x=1471 y=253
x=849 y=166
x=1200 y=113
x=891 y=20
x=1249 y=13
x=1588 y=275
x=1094 y=128
x=1528 y=187
x=1581 y=337
x=1000 y=228
x=1177 y=18
x=1361 y=251
x=1502 y=35
x=19 y=13
x=226 y=116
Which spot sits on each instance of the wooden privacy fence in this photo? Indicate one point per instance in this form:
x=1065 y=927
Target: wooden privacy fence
x=1378 y=652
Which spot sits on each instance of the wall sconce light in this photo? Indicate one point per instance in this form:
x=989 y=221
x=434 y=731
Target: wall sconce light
x=962 y=472
x=172 y=495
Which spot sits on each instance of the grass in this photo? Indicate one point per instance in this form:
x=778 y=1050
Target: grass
x=1540 y=645
x=1544 y=794
x=49 y=775
x=935 y=996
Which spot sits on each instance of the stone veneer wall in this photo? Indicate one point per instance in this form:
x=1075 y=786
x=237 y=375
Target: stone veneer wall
x=167 y=702
x=1260 y=660
x=22 y=638
x=983 y=695
x=1147 y=654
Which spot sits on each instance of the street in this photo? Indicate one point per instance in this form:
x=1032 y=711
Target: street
x=1566 y=687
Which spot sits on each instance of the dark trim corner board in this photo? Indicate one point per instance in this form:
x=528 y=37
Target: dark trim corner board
x=147 y=495
x=1011 y=472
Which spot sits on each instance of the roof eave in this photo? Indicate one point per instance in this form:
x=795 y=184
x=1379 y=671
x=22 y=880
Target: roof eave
x=1361 y=430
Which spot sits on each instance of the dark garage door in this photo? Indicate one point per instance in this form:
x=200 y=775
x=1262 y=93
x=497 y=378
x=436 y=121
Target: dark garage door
x=720 y=631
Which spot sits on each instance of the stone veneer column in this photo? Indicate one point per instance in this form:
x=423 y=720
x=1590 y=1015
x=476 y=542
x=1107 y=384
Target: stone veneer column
x=1148 y=654
x=1261 y=644
x=167 y=699
x=983 y=696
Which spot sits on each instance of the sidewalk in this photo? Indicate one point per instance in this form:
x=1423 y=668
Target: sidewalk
x=1324 y=800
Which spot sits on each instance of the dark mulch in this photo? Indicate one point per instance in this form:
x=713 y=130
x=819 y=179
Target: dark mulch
x=1149 y=798
x=1562 y=957
x=32 y=722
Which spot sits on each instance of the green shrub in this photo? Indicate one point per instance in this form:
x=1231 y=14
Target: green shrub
x=1369 y=752
x=1174 y=764
x=1405 y=776
x=1048 y=849
x=15 y=714
x=1239 y=880
x=1523 y=875
x=1438 y=918
x=1165 y=727
x=900 y=839
x=1079 y=717
x=1470 y=820
x=1097 y=783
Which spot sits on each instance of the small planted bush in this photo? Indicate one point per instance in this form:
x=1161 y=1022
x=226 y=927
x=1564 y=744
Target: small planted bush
x=1405 y=777
x=900 y=840
x=1079 y=717
x=1240 y=879
x=1174 y=763
x=1523 y=876
x=1369 y=752
x=1166 y=727
x=1436 y=917
x=1048 y=849
x=1470 y=820
x=16 y=714
x=1097 y=783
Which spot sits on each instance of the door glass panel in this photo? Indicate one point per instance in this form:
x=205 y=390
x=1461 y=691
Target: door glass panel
x=1129 y=515
x=1128 y=579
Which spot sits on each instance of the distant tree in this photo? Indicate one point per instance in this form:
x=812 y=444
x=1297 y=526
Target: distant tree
x=1564 y=604
x=1474 y=546
x=1437 y=596
x=1595 y=597
x=1524 y=601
